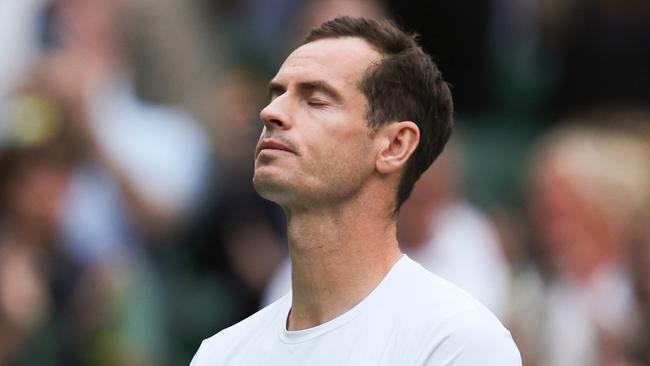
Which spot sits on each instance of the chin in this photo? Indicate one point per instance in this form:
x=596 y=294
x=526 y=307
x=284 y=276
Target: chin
x=272 y=188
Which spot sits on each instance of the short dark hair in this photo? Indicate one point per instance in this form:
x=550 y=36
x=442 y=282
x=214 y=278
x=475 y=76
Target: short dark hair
x=405 y=85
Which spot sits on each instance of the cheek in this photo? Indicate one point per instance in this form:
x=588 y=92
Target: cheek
x=338 y=144
x=335 y=143
x=343 y=160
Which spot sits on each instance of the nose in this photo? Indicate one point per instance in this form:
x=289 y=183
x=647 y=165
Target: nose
x=275 y=115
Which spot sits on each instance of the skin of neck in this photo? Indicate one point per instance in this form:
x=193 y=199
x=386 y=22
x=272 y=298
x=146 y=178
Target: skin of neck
x=339 y=254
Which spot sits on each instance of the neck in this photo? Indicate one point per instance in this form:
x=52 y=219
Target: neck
x=339 y=255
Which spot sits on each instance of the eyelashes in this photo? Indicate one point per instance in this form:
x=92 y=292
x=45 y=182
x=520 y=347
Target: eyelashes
x=317 y=103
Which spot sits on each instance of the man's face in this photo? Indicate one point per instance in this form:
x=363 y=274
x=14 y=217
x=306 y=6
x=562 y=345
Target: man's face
x=315 y=145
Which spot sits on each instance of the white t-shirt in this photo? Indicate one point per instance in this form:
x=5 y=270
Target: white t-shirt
x=412 y=318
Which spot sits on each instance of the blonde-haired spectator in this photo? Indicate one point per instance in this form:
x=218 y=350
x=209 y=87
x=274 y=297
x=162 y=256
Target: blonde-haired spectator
x=589 y=186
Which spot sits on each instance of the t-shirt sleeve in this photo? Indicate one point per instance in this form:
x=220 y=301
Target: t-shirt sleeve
x=473 y=338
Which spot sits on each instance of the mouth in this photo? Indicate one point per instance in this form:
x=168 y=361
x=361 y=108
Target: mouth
x=269 y=144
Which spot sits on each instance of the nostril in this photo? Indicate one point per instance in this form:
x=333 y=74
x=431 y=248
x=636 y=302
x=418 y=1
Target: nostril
x=273 y=116
x=274 y=123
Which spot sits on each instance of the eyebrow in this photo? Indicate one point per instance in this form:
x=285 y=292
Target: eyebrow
x=276 y=88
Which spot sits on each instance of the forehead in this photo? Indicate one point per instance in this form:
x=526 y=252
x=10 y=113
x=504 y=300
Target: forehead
x=339 y=61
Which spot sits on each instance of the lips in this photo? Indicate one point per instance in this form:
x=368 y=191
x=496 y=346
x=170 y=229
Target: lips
x=271 y=144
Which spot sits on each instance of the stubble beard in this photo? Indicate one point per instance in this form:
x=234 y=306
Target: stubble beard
x=274 y=189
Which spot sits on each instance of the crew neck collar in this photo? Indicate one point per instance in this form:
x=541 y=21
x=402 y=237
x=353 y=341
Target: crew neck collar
x=300 y=336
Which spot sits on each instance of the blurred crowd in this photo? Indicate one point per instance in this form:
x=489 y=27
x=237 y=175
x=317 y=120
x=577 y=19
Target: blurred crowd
x=130 y=231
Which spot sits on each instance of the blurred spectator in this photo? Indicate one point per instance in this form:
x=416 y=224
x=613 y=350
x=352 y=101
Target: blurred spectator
x=175 y=55
x=139 y=176
x=36 y=278
x=137 y=143
x=98 y=291
x=589 y=184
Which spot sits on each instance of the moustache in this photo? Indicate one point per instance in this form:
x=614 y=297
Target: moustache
x=276 y=141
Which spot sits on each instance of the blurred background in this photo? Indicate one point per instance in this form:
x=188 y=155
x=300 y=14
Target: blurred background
x=129 y=229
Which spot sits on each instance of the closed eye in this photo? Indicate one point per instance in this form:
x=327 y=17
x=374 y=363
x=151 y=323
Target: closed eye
x=275 y=90
x=316 y=103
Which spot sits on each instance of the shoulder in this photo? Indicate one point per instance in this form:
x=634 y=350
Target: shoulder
x=470 y=337
x=262 y=319
x=453 y=326
x=425 y=290
x=268 y=319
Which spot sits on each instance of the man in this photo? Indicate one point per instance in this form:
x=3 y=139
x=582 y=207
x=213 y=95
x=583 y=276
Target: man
x=357 y=113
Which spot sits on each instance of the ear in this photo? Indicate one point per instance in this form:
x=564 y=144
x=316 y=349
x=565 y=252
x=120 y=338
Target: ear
x=397 y=142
